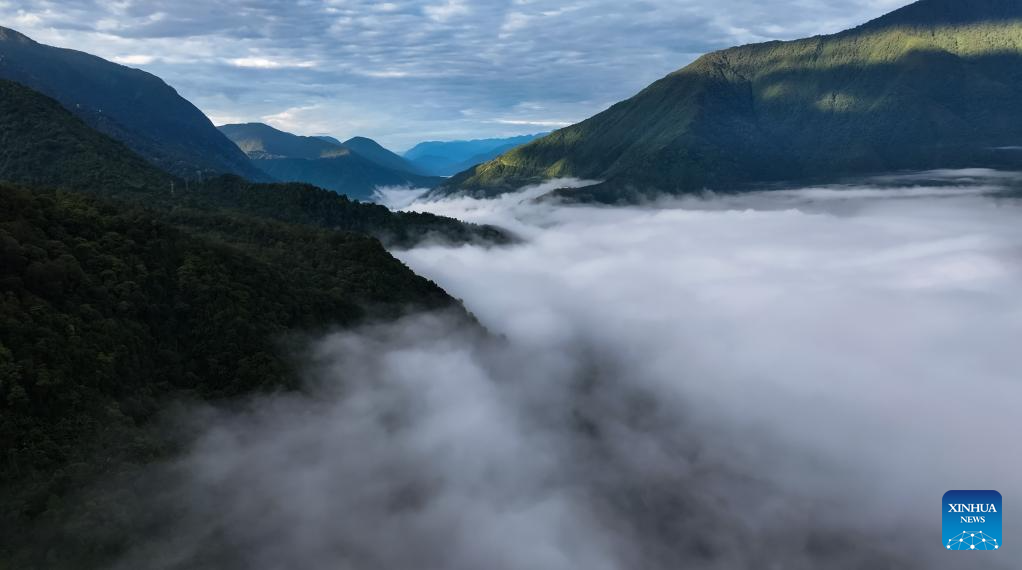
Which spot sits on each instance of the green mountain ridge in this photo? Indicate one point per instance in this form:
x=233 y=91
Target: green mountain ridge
x=127 y=104
x=934 y=84
x=355 y=171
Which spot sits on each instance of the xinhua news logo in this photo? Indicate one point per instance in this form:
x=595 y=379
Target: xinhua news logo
x=972 y=520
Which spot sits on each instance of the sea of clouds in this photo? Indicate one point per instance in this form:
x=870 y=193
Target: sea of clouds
x=778 y=380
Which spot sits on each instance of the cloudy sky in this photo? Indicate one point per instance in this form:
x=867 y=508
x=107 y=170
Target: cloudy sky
x=406 y=71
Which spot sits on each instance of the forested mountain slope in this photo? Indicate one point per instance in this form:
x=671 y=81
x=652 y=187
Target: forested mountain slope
x=44 y=145
x=935 y=84
x=108 y=314
x=128 y=104
x=124 y=290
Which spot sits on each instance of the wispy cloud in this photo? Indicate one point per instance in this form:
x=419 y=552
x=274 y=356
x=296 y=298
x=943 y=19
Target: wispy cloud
x=267 y=63
x=385 y=74
x=293 y=118
x=446 y=11
x=533 y=122
x=134 y=59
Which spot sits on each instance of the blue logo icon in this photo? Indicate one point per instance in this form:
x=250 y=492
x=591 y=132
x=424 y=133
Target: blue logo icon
x=972 y=520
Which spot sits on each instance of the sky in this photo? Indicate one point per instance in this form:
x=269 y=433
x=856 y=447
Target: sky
x=406 y=71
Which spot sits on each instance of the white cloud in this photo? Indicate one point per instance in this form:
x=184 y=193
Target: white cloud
x=385 y=74
x=268 y=63
x=218 y=119
x=23 y=18
x=513 y=22
x=446 y=11
x=534 y=122
x=137 y=59
x=294 y=119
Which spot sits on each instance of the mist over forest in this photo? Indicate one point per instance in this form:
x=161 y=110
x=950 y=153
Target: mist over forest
x=772 y=379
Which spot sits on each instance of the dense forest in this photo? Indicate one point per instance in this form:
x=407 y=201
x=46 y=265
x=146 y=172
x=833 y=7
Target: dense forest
x=108 y=312
x=124 y=289
x=308 y=205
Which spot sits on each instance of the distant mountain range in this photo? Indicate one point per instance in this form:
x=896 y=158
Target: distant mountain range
x=130 y=105
x=441 y=158
x=354 y=168
x=937 y=83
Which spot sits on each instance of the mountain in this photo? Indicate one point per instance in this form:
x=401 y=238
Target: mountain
x=329 y=139
x=444 y=158
x=314 y=160
x=934 y=84
x=260 y=141
x=47 y=146
x=130 y=105
x=44 y=145
x=110 y=314
x=125 y=290
x=368 y=148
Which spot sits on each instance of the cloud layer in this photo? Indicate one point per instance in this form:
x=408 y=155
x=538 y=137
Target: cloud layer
x=787 y=380
x=408 y=71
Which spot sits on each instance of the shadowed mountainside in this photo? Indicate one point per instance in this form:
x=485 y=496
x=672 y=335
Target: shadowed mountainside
x=355 y=171
x=130 y=105
x=261 y=141
x=374 y=151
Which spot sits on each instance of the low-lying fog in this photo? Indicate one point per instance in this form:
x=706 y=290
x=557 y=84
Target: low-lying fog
x=786 y=380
